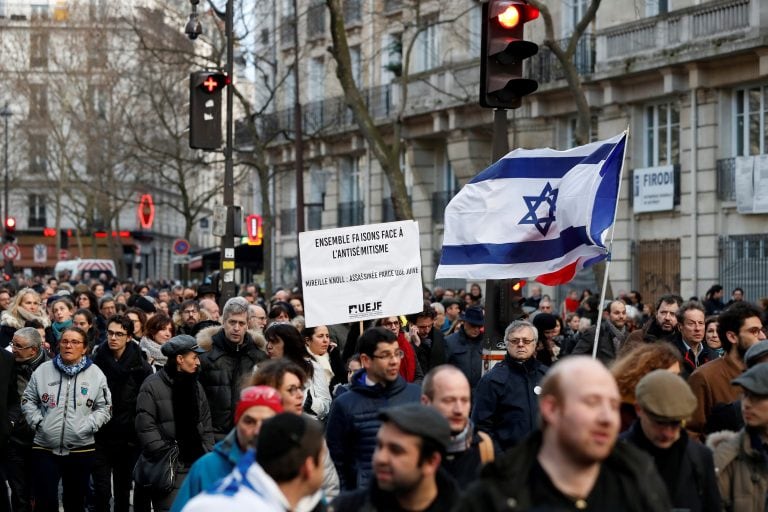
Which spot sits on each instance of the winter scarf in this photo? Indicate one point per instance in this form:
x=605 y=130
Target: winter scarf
x=324 y=361
x=58 y=328
x=21 y=316
x=461 y=441
x=617 y=336
x=152 y=348
x=186 y=414
x=71 y=369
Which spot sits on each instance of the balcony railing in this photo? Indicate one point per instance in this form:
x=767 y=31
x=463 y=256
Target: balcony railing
x=545 y=67
x=726 y=179
x=440 y=200
x=677 y=31
x=351 y=213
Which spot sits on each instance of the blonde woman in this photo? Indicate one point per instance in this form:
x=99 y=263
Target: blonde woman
x=24 y=307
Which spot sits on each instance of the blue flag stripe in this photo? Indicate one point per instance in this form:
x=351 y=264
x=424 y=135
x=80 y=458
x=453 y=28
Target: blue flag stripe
x=517 y=252
x=607 y=193
x=541 y=167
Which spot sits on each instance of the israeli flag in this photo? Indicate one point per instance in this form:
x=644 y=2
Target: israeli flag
x=536 y=213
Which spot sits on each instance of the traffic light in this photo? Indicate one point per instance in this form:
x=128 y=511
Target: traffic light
x=205 y=109
x=502 y=53
x=10 y=229
x=254 y=229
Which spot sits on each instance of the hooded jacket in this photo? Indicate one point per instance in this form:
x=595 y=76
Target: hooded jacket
x=222 y=369
x=504 y=484
x=65 y=411
x=353 y=424
x=742 y=472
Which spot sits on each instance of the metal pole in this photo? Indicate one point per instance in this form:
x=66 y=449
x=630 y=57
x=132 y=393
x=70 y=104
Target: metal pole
x=6 y=113
x=299 y=145
x=227 y=269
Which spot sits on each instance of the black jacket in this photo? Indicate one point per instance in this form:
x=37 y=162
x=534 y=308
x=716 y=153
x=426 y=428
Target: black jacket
x=689 y=360
x=466 y=354
x=506 y=406
x=22 y=434
x=695 y=486
x=374 y=499
x=504 y=482
x=465 y=466
x=124 y=379
x=432 y=353
x=10 y=409
x=606 y=350
x=221 y=372
x=155 y=422
x=354 y=422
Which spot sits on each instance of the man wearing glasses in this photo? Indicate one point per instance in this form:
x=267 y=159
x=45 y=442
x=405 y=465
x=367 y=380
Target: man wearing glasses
x=353 y=421
x=28 y=355
x=506 y=398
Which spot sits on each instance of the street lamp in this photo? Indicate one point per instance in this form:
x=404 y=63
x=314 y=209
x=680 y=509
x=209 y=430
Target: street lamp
x=5 y=113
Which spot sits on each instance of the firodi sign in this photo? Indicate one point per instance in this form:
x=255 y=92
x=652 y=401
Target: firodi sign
x=654 y=189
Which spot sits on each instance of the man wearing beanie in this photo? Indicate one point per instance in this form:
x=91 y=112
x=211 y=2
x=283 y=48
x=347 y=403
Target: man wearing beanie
x=256 y=404
x=664 y=402
x=284 y=474
x=411 y=444
x=613 y=335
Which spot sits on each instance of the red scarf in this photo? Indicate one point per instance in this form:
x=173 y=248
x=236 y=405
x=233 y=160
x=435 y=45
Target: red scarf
x=408 y=362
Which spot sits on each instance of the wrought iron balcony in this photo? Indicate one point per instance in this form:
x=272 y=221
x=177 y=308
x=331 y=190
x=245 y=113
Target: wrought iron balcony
x=545 y=67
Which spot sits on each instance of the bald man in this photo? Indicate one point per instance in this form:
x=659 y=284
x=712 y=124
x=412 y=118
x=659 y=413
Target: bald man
x=613 y=334
x=574 y=461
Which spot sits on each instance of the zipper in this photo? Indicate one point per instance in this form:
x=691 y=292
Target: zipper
x=64 y=419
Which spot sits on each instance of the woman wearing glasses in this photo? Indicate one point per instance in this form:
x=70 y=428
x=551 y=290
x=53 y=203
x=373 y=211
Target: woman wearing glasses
x=117 y=449
x=507 y=398
x=284 y=340
x=66 y=402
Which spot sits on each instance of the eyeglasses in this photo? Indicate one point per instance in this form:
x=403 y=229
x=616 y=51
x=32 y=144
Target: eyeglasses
x=115 y=334
x=755 y=331
x=70 y=343
x=391 y=324
x=517 y=341
x=20 y=347
x=295 y=390
x=398 y=354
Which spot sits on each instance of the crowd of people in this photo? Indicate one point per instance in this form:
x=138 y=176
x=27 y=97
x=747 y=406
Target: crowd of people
x=153 y=397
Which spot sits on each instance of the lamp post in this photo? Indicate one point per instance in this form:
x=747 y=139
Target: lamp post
x=5 y=113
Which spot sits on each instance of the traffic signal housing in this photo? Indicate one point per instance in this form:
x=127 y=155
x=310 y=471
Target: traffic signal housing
x=205 y=109
x=503 y=50
x=10 y=229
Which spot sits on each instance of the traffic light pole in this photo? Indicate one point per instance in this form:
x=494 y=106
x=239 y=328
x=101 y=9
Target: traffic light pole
x=227 y=256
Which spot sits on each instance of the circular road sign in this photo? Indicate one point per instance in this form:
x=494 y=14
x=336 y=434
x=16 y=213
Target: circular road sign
x=10 y=251
x=181 y=247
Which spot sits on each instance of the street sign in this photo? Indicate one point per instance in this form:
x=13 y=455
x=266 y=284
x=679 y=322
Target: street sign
x=181 y=247
x=40 y=253
x=11 y=252
x=180 y=259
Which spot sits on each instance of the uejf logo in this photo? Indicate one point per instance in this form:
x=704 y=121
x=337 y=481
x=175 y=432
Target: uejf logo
x=366 y=307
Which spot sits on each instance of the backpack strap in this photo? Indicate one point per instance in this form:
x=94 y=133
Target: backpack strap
x=486 y=447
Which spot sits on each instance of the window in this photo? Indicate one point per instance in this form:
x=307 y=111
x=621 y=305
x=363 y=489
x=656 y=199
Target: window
x=38 y=153
x=426 y=49
x=97 y=51
x=289 y=88
x=98 y=96
x=446 y=185
x=751 y=136
x=474 y=32
x=573 y=11
x=316 y=197
x=287 y=203
x=38 y=50
x=655 y=7
x=391 y=58
x=662 y=134
x=350 y=210
x=316 y=89
x=572 y=131
x=37 y=211
x=354 y=56
x=353 y=12
x=38 y=100
x=316 y=20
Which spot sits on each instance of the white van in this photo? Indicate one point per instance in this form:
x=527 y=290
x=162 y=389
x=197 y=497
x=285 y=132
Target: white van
x=76 y=268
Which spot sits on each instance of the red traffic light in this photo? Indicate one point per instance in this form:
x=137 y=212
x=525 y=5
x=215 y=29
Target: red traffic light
x=512 y=13
x=10 y=223
x=254 y=229
x=518 y=286
x=210 y=82
x=510 y=17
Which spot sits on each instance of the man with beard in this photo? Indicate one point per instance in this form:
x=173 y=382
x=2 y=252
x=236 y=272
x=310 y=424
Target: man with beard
x=690 y=338
x=663 y=326
x=353 y=420
x=406 y=463
x=739 y=327
x=613 y=335
x=664 y=402
x=28 y=355
x=446 y=389
x=573 y=462
x=506 y=399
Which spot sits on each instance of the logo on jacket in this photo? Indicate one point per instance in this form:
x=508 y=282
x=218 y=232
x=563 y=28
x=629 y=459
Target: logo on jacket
x=45 y=398
x=83 y=390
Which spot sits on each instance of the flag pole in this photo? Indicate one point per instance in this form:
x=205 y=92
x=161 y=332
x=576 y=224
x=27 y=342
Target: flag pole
x=610 y=251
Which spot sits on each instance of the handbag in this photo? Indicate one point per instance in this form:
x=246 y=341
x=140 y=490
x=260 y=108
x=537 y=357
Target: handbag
x=157 y=475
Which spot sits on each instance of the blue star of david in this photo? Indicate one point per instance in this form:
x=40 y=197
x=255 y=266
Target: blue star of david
x=548 y=196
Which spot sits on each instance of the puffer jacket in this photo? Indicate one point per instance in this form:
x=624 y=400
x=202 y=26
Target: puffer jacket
x=353 y=424
x=222 y=369
x=65 y=411
x=504 y=484
x=155 y=424
x=742 y=473
x=506 y=405
x=124 y=378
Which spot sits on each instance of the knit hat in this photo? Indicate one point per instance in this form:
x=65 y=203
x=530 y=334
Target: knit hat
x=258 y=395
x=141 y=302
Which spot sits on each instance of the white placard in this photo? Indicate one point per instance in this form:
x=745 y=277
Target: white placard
x=654 y=189
x=743 y=169
x=361 y=272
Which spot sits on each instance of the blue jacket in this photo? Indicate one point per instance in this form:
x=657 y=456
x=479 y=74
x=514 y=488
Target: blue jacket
x=466 y=354
x=506 y=405
x=209 y=469
x=353 y=424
